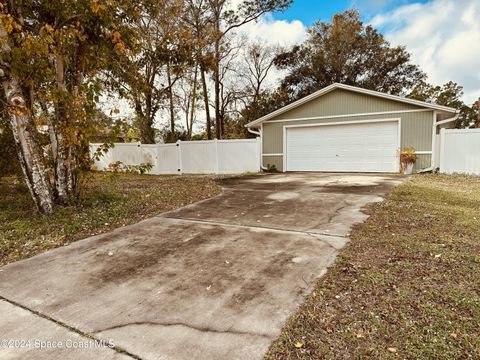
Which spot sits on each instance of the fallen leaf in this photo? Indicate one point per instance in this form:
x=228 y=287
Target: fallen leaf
x=360 y=335
x=454 y=335
x=298 y=344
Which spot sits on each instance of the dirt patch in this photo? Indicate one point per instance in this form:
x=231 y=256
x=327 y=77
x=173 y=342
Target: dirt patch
x=254 y=289
x=350 y=189
x=143 y=256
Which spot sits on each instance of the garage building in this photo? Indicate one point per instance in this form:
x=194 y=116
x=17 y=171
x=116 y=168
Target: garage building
x=343 y=128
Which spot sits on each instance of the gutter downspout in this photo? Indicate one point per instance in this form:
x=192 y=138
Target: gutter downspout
x=254 y=132
x=435 y=125
x=261 y=147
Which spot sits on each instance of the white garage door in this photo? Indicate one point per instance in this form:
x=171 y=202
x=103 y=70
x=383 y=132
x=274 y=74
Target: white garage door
x=369 y=147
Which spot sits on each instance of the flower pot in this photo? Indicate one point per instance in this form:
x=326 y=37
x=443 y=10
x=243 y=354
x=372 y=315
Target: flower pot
x=408 y=169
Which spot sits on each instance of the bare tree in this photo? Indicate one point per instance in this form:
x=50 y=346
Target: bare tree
x=146 y=78
x=259 y=61
x=229 y=79
x=187 y=98
x=225 y=20
x=198 y=18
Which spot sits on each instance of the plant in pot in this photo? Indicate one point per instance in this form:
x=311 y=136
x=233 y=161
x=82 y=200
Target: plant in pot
x=408 y=157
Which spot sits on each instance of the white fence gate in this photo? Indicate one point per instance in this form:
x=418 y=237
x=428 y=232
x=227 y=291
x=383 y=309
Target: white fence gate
x=460 y=151
x=187 y=157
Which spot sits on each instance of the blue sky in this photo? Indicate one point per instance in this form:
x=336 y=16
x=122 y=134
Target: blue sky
x=441 y=35
x=308 y=11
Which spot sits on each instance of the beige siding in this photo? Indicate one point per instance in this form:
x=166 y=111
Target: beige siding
x=416 y=131
x=268 y=161
x=444 y=116
x=423 y=161
x=343 y=102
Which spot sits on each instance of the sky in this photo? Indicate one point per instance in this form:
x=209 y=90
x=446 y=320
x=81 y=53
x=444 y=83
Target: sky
x=443 y=36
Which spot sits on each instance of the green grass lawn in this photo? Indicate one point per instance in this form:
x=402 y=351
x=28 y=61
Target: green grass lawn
x=106 y=202
x=407 y=286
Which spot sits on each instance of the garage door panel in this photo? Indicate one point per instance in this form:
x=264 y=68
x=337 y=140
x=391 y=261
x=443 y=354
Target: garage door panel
x=368 y=147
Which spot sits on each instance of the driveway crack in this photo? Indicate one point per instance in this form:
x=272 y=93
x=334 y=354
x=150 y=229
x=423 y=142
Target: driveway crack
x=316 y=235
x=197 y=328
x=90 y=336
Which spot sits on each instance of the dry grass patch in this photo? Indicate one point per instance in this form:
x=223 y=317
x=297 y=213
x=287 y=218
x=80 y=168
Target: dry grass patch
x=407 y=286
x=106 y=203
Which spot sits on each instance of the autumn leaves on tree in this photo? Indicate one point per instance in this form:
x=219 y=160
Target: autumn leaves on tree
x=170 y=57
x=50 y=54
x=57 y=56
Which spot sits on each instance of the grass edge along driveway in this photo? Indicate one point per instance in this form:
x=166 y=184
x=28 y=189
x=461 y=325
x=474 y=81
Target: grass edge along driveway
x=107 y=201
x=407 y=285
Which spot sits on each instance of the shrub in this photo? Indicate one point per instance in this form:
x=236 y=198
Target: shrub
x=120 y=167
x=407 y=156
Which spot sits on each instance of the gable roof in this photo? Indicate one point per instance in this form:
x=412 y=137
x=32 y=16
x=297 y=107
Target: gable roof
x=335 y=86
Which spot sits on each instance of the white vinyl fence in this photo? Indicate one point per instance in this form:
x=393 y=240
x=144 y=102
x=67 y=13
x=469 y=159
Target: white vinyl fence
x=187 y=157
x=460 y=151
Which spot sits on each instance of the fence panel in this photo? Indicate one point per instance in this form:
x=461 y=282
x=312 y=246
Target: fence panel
x=198 y=157
x=168 y=159
x=148 y=154
x=191 y=157
x=129 y=154
x=460 y=151
x=235 y=156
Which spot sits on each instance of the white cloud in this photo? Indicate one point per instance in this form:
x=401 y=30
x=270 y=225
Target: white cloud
x=443 y=37
x=275 y=32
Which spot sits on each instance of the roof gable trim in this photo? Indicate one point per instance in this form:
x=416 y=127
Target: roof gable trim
x=349 y=88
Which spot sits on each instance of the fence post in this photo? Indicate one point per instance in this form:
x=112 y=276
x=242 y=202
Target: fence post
x=442 y=149
x=179 y=154
x=216 y=157
x=258 y=141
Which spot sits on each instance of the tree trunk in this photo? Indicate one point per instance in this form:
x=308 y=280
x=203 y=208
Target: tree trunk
x=147 y=134
x=28 y=149
x=216 y=80
x=187 y=115
x=77 y=151
x=171 y=106
x=61 y=157
x=193 y=103
x=145 y=125
x=51 y=130
x=207 y=106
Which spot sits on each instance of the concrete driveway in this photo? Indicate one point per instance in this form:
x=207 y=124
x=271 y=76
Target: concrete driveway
x=213 y=280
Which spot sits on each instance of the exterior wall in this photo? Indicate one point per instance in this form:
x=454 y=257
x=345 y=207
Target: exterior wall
x=423 y=162
x=416 y=131
x=445 y=116
x=277 y=161
x=343 y=102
